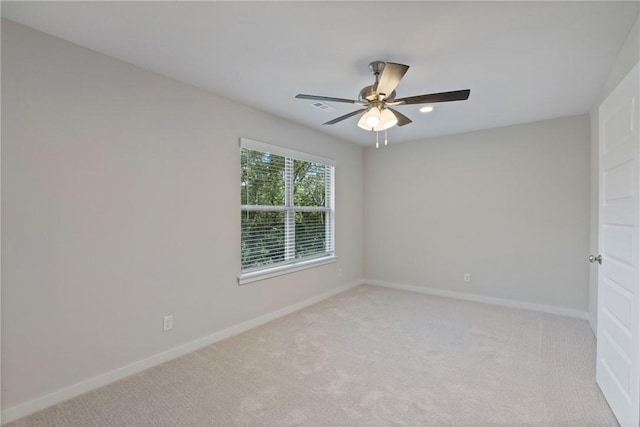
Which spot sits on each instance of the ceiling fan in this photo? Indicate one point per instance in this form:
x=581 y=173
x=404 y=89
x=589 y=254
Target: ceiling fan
x=379 y=97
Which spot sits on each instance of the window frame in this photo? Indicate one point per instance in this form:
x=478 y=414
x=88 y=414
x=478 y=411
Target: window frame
x=291 y=265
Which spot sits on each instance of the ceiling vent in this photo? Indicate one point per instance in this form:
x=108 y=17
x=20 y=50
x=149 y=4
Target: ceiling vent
x=322 y=106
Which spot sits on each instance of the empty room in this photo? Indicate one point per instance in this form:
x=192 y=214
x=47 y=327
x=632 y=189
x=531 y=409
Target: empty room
x=219 y=213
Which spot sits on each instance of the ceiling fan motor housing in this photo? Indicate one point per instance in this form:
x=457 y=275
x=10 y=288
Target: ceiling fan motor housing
x=370 y=93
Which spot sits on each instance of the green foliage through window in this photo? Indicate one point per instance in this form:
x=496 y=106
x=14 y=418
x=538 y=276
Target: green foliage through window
x=286 y=209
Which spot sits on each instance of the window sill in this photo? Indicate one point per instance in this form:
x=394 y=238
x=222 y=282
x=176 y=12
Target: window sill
x=280 y=270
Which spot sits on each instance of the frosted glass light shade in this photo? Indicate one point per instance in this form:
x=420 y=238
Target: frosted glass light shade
x=388 y=119
x=362 y=122
x=370 y=119
x=373 y=117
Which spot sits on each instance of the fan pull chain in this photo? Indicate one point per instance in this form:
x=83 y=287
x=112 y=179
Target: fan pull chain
x=385 y=137
x=377 y=144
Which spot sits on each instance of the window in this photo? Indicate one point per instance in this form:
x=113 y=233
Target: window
x=287 y=210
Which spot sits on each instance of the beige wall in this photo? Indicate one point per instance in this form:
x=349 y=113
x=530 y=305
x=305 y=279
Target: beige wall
x=510 y=206
x=628 y=56
x=120 y=204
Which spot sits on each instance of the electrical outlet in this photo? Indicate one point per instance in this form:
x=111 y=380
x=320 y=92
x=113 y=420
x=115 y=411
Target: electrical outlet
x=467 y=278
x=167 y=323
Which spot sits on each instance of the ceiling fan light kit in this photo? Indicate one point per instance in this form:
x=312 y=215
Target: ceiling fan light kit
x=380 y=96
x=377 y=119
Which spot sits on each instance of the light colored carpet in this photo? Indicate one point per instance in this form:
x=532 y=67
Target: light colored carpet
x=368 y=357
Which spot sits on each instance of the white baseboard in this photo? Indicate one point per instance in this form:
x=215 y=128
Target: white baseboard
x=77 y=389
x=567 y=312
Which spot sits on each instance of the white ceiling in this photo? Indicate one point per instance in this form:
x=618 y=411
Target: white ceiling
x=523 y=61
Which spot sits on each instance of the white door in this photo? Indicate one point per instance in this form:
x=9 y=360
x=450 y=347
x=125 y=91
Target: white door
x=618 y=353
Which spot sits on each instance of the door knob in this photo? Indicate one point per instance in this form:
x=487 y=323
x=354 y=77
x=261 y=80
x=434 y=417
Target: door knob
x=593 y=258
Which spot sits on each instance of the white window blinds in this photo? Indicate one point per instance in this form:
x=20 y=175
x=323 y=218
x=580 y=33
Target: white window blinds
x=287 y=206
